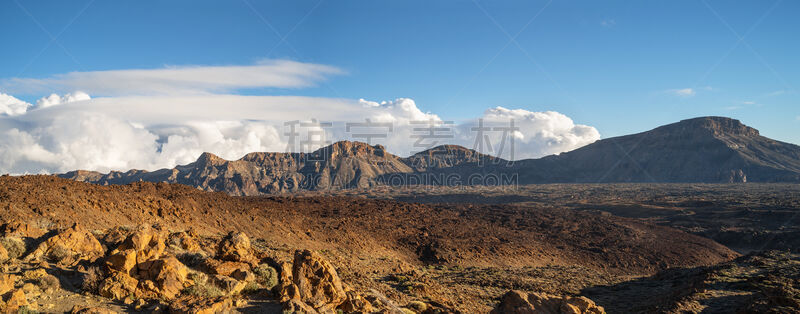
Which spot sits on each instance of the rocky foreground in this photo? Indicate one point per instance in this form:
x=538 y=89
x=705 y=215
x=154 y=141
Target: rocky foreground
x=148 y=247
x=150 y=269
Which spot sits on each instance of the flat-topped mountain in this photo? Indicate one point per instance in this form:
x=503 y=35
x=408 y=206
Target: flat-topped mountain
x=707 y=149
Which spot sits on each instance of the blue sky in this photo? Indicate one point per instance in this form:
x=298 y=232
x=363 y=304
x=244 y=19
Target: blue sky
x=619 y=66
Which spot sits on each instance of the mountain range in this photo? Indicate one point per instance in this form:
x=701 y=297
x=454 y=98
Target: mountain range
x=706 y=149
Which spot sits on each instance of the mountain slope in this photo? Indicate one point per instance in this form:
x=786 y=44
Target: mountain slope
x=707 y=149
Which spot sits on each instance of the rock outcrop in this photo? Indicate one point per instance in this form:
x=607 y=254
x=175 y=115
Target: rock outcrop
x=235 y=247
x=518 y=302
x=312 y=285
x=140 y=267
x=68 y=246
x=14 y=301
x=7 y=282
x=21 y=229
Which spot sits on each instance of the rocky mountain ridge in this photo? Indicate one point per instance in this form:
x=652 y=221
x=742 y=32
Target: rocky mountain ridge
x=707 y=149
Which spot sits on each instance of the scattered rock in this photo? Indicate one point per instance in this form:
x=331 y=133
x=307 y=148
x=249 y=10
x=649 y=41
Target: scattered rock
x=90 y=310
x=123 y=261
x=15 y=301
x=225 y=268
x=196 y=305
x=356 y=303
x=162 y=278
x=115 y=236
x=21 y=229
x=169 y=275
x=243 y=275
x=118 y=286
x=31 y=290
x=69 y=247
x=235 y=247
x=3 y=254
x=7 y=283
x=228 y=285
x=185 y=241
x=148 y=243
x=539 y=303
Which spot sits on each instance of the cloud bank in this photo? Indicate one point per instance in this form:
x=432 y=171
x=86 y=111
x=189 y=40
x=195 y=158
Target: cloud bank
x=178 y=80
x=143 y=128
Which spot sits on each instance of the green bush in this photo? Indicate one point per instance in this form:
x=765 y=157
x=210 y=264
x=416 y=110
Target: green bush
x=26 y=310
x=266 y=276
x=202 y=288
x=417 y=306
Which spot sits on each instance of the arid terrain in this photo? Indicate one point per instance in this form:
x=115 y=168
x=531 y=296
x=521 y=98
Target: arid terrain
x=433 y=250
x=743 y=217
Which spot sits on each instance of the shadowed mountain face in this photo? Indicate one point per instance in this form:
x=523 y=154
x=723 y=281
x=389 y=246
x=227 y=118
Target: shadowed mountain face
x=708 y=149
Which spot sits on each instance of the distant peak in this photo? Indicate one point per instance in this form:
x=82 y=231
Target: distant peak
x=448 y=148
x=718 y=125
x=352 y=148
x=209 y=158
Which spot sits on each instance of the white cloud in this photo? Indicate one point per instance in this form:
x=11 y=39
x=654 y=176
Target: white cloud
x=11 y=106
x=179 y=80
x=776 y=93
x=539 y=134
x=684 y=92
x=608 y=23
x=748 y=103
x=55 y=99
x=164 y=131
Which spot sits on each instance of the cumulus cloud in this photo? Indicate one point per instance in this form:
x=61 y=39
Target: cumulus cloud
x=105 y=134
x=539 y=133
x=55 y=99
x=179 y=80
x=11 y=106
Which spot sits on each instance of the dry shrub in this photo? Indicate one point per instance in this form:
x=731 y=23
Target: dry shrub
x=48 y=283
x=15 y=246
x=92 y=279
x=202 y=288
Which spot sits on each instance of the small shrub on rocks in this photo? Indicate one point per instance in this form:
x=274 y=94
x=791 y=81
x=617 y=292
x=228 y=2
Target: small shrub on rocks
x=92 y=279
x=14 y=246
x=48 y=283
x=266 y=276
